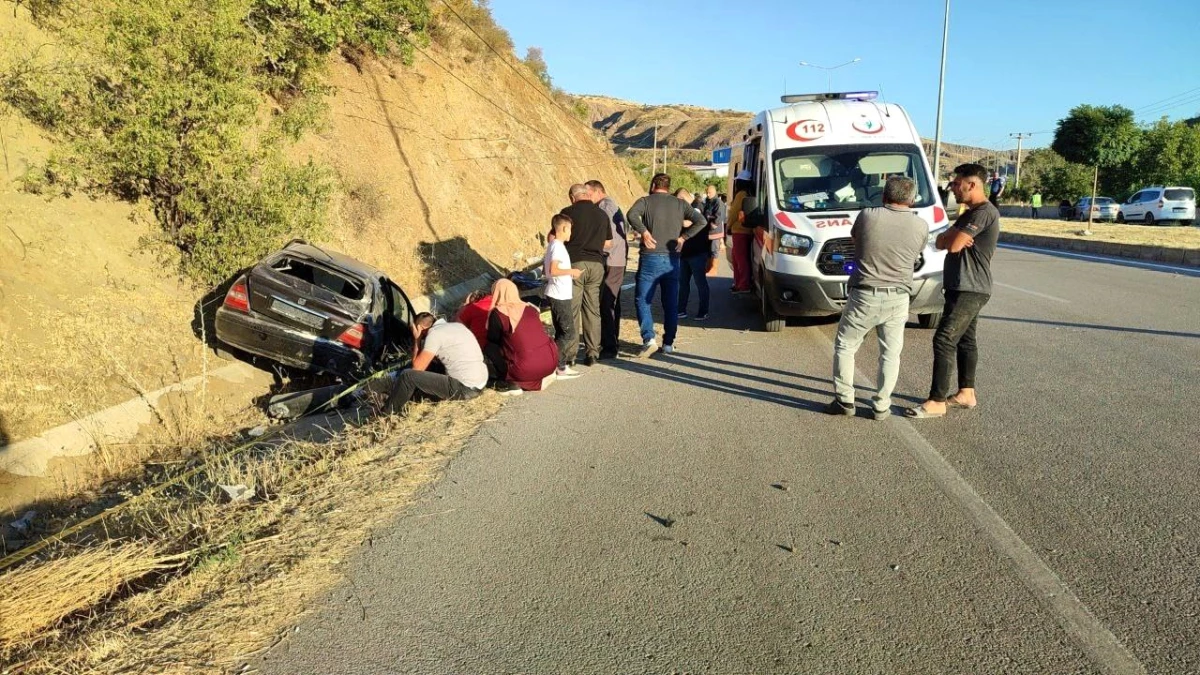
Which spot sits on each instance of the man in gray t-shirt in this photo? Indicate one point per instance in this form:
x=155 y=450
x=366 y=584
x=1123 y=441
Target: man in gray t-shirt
x=969 y=245
x=455 y=347
x=887 y=245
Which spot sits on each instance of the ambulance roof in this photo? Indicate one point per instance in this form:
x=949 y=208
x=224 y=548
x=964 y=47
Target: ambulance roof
x=834 y=119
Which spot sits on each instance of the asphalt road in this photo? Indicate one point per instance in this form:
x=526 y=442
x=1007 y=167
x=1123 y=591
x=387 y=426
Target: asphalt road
x=696 y=514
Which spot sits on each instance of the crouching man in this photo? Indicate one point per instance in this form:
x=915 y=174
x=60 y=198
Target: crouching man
x=456 y=349
x=887 y=244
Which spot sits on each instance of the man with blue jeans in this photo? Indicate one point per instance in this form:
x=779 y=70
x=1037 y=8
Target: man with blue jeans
x=663 y=224
x=887 y=245
x=693 y=262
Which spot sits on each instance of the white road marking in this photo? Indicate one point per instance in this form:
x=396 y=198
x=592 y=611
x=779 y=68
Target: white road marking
x=1096 y=640
x=1193 y=271
x=1035 y=293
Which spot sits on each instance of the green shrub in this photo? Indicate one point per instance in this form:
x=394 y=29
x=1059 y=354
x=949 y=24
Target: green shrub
x=163 y=99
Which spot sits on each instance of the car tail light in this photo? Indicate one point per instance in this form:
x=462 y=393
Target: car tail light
x=353 y=336
x=238 y=298
x=939 y=214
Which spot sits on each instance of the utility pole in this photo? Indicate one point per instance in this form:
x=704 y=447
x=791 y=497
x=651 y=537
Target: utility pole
x=654 y=152
x=937 y=136
x=1019 y=137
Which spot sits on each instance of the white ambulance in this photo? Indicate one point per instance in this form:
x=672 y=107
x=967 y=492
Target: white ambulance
x=815 y=163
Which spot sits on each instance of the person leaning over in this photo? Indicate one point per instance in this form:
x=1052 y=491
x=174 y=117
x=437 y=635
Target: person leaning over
x=887 y=244
x=456 y=348
x=590 y=238
x=970 y=244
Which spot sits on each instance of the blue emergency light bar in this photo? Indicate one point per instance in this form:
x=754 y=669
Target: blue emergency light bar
x=832 y=96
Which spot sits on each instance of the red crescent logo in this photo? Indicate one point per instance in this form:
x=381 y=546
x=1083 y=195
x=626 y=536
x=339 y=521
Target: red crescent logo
x=806 y=130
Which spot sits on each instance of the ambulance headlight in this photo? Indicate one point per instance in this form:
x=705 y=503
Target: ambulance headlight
x=931 y=240
x=795 y=244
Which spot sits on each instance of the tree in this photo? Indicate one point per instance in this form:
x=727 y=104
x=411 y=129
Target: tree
x=1057 y=178
x=1103 y=137
x=1169 y=155
x=537 y=63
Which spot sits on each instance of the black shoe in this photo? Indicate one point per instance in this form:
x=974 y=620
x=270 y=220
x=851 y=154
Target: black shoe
x=608 y=354
x=589 y=361
x=507 y=388
x=836 y=407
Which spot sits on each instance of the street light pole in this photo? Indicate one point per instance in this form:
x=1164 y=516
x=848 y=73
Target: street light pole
x=937 y=138
x=829 y=71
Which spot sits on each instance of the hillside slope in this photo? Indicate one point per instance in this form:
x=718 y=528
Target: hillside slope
x=446 y=168
x=692 y=131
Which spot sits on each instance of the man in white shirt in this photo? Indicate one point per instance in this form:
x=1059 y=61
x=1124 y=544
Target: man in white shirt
x=455 y=347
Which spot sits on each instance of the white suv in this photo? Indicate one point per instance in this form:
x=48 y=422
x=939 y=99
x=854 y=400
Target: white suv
x=1157 y=204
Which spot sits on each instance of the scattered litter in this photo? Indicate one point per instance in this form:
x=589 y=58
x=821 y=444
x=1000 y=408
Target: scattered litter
x=23 y=523
x=894 y=568
x=780 y=486
x=237 y=493
x=257 y=431
x=835 y=542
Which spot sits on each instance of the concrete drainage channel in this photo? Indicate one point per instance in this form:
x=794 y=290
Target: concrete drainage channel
x=33 y=457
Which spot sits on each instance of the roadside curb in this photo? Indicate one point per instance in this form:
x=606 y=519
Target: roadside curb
x=1187 y=257
x=122 y=422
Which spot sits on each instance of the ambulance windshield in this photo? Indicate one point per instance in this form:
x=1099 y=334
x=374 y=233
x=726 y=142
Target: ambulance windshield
x=839 y=177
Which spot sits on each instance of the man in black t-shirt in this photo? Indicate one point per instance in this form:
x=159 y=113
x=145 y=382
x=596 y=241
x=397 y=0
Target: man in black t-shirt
x=967 y=278
x=591 y=236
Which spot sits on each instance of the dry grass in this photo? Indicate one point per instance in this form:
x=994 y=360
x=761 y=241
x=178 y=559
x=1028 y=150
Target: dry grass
x=250 y=566
x=44 y=594
x=1170 y=237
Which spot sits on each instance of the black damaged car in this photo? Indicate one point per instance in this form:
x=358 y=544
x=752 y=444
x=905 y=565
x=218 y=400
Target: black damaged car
x=318 y=311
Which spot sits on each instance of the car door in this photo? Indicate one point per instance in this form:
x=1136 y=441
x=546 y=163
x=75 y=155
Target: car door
x=398 y=317
x=1133 y=208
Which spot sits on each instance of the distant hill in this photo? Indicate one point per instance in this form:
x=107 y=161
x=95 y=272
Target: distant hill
x=690 y=133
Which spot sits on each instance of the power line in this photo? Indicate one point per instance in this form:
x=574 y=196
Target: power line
x=1152 y=105
x=1158 y=110
x=521 y=75
x=499 y=107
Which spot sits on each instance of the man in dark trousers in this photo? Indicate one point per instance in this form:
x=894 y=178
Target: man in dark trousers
x=591 y=237
x=455 y=347
x=614 y=275
x=693 y=261
x=970 y=244
x=663 y=223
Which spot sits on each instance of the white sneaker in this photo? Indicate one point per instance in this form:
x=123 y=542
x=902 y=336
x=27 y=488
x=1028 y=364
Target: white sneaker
x=648 y=349
x=567 y=373
x=668 y=349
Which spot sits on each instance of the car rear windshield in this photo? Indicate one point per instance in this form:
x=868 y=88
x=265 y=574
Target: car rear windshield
x=1177 y=194
x=321 y=277
x=846 y=176
x=1103 y=201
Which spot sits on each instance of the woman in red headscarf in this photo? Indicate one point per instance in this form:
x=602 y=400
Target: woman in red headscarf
x=515 y=328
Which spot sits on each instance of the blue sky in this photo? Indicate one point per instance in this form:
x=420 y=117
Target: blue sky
x=1013 y=66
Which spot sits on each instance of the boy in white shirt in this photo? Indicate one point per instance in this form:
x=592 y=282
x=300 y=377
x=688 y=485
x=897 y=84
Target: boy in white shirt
x=559 y=282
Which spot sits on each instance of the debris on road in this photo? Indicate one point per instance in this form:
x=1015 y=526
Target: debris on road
x=237 y=493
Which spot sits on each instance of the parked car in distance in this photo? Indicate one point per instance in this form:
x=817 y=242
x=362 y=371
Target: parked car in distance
x=318 y=311
x=1158 y=204
x=1105 y=208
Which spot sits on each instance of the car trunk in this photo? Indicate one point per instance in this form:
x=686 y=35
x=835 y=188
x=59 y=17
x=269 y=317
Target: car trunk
x=308 y=296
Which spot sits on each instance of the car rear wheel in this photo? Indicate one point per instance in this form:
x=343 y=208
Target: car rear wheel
x=1120 y=217
x=929 y=320
x=1149 y=218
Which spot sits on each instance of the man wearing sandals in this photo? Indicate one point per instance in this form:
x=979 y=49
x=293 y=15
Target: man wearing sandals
x=887 y=244
x=969 y=244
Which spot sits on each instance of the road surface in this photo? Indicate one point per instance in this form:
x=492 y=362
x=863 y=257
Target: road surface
x=696 y=513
